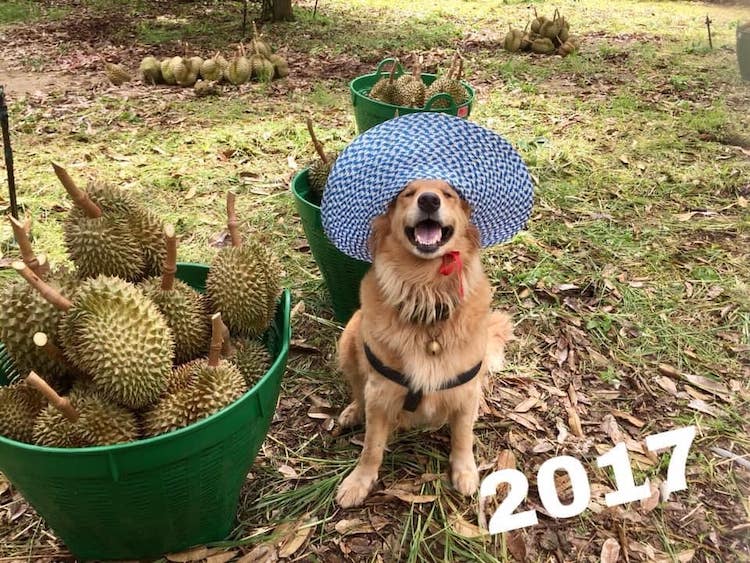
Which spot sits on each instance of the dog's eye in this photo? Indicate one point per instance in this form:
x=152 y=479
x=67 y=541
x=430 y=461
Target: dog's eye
x=407 y=195
x=447 y=195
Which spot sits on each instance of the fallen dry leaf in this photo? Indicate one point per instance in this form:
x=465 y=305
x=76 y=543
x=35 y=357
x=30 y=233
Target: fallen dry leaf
x=407 y=496
x=221 y=557
x=288 y=472
x=574 y=421
x=526 y=405
x=195 y=554
x=712 y=386
x=516 y=545
x=353 y=526
x=464 y=528
x=637 y=422
x=289 y=545
x=262 y=553
x=610 y=551
x=652 y=501
x=667 y=384
x=702 y=406
x=668 y=370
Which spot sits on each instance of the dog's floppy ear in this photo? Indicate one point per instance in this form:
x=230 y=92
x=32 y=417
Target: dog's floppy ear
x=379 y=229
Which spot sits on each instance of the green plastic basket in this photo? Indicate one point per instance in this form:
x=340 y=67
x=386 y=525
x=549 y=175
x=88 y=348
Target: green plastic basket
x=341 y=273
x=369 y=113
x=159 y=495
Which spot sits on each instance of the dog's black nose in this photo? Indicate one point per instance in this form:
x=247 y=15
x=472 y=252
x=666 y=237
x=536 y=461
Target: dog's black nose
x=428 y=202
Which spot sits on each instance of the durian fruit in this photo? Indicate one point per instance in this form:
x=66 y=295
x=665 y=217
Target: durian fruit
x=23 y=312
x=183 y=308
x=150 y=71
x=410 y=90
x=239 y=68
x=83 y=419
x=261 y=68
x=449 y=83
x=107 y=232
x=319 y=169
x=204 y=88
x=543 y=46
x=566 y=48
x=212 y=69
x=166 y=71
x=180 y=70
x=244 y=281
x=113 y=333
x=513 y=40
x=537 y=23
x=252 y=359
x=205 y=387
x=258 y=45
x=20 y=406
x=385 y=88
x=117 y=74
x=280 y=66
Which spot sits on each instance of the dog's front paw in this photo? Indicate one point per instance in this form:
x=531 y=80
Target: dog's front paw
x=355 y=488
x=465 y=478
x=351 y=415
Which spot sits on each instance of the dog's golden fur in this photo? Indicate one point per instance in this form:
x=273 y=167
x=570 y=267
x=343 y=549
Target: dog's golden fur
x=397 y=320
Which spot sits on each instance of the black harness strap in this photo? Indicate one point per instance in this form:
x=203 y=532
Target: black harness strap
x=413 y=398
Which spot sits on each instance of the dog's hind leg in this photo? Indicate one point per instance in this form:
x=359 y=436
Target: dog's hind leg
x=464 y=472
x=349 y=351
x=499 y=333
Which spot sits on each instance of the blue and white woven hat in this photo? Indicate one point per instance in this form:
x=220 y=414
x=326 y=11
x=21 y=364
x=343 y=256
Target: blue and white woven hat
x=481 y=166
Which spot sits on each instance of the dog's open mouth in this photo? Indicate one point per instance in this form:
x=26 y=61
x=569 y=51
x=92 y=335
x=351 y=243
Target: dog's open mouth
x=428 y=235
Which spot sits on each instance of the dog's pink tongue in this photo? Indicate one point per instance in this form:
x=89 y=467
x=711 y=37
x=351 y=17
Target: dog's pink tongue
x=428 y=233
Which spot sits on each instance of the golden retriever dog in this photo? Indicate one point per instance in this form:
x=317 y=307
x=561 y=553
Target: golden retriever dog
x=426 y=317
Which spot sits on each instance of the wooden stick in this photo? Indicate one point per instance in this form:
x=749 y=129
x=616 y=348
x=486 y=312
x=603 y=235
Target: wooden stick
x=316 y=143
x=170 y=262
x=79 y=197
x=21 y=233
x=45 y=290
x=60 y=403
x=708 y=26
x=217 y=340
x=42 y=341
x=232 y=224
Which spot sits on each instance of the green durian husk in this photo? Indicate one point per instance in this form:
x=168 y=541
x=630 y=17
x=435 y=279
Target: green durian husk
x=454 y=88
x=410 y=91
x=180 y=70
x=212 y=69
x=384 y=90
x=23 y=313
x=513 y=40
x=543 y=45
x=238 y=71
x=317 y=174
x=117 y=336
x=252 y=359
x=243 y=284
x=208 y=390
x=100 y=423
x=186 y=313
x=166 y=72
x=150 y=71
x=19 y=408
x=117 y=74
x=280 y=66
x=263 y=69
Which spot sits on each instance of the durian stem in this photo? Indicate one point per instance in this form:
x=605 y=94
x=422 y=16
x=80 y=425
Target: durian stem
x=316 y=143
x=21 y=234
x=170 y=262
x=42 y=341
x=393 y=71
x=60 y=403
x=45 y=290
x=255 y=31
x=79 y=197
x=417 y=72
x=460 y=69
x=217 y=340
x=232 y=223
x=227 y=348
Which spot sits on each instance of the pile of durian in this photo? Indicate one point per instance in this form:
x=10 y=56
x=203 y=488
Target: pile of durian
x=409 y=90
x=256 y=62
x=118 y=349
x=543 y=36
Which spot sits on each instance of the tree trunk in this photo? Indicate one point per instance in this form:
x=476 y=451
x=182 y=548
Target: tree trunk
x=282 y=10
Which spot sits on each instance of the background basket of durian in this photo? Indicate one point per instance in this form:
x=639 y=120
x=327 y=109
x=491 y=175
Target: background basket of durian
x=383 y=94
x=150 y=415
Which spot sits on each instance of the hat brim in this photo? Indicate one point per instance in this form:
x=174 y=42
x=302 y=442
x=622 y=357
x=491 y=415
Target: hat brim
x=478 y=163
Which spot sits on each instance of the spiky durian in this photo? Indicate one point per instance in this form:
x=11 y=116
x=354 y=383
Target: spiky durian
x=262 y=68
x=252 y=359
x=385 y=88
x=543 y=46
x=513 y=40
x=258 y=45
x=213 y=69
x=150 y=71
x=449 y=83
x=319 y=169
x=183 y=308
x=244 y=282
x=107 y=232
x=166 y=71
x=206 y=387
x=239 y=68
x=19 y=407
x=280 y=66
x=115 y=335
x=410 y=90
x=117 y=74
x=83 y=419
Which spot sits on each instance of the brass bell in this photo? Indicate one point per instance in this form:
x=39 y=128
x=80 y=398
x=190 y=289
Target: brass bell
x=434 y=348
